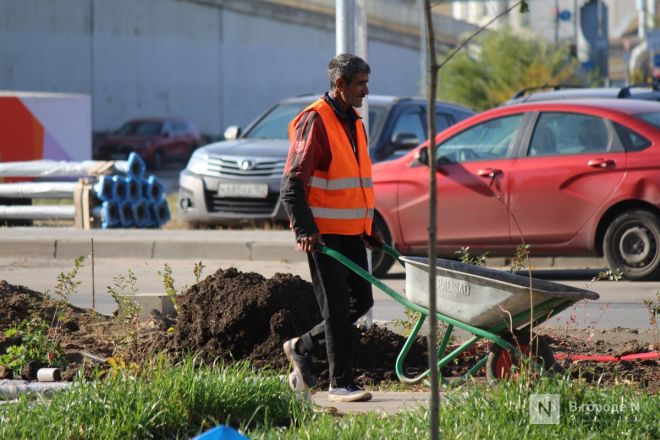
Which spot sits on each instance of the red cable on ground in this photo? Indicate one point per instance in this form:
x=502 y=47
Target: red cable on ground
x=608 y=358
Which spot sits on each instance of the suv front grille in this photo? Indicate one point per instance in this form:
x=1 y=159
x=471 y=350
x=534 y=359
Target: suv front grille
x=243 y=206
x=219 y=166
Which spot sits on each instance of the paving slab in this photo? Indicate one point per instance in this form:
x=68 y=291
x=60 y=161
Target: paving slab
x=383 y=402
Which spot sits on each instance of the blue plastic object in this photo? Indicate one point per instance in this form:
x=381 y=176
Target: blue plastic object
x=160 y=212
x=105 y=188
x=136 y=166
x=564 y=15
x=133 y=189
x=119 y=190
x=221 y=432
x=141 y=214
x=153 y=189
x=109 y=214
x=126 y=214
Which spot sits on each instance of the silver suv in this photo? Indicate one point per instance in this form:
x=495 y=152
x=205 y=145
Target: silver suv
x=239 y=178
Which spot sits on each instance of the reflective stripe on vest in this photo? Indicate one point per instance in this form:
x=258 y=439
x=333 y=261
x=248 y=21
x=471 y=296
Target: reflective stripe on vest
x=346 y=183
x=343 y=213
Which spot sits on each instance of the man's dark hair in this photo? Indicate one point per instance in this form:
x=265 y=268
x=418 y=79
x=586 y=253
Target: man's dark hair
x=346 y=66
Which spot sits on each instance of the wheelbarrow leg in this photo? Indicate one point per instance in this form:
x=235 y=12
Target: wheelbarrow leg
x=442 y=358
x=408 y=344
x=398 y=367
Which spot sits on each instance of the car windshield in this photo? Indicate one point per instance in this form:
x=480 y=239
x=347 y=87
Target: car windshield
x=652 y=118
x=140 y=128
x=275 y=124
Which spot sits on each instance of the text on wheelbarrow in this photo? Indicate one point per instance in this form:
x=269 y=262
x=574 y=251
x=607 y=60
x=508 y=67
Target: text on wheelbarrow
x=452 y=287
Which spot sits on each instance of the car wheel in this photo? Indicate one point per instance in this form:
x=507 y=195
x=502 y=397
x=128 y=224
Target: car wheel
x=158 y=160
x=380 y=261
x=632 y=243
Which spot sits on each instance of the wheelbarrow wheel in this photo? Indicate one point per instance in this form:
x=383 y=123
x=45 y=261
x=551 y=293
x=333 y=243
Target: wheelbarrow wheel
x=503 y=364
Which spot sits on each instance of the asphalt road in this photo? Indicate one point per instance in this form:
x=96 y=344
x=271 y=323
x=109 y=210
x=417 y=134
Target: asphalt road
x=621 y=303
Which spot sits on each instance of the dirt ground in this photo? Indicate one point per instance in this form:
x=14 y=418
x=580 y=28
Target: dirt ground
x=232 y=315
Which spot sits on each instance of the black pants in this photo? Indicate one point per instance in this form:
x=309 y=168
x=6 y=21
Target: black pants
x=343 y=297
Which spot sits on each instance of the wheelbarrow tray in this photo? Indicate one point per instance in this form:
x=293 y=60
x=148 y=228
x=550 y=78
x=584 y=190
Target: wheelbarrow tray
x=480 y=296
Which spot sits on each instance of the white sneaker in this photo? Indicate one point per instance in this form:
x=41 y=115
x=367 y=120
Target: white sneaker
x=350 y=393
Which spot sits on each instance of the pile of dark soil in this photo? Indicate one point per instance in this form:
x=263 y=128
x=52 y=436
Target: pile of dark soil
x=77 y=331
x=243 y=316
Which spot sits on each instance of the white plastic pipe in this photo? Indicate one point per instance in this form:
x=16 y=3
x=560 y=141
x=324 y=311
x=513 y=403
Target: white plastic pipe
x=55 y=168
x=43 y=190
x=11 y=389
x=38 y=212
x=49 y=375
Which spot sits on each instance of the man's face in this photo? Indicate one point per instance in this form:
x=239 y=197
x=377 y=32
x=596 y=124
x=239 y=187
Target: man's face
x=354 y=92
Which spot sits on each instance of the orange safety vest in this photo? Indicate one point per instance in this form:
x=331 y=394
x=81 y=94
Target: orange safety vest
x=341 y=198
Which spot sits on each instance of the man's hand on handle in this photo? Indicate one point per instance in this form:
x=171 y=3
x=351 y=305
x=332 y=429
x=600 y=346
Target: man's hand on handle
x=307 y=244
x=374 y=241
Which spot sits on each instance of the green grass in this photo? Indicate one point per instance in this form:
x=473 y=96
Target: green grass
x=165 y=401
x=502 y=412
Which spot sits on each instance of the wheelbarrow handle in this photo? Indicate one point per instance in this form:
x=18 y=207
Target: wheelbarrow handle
x=392 y=252
x=384 y=247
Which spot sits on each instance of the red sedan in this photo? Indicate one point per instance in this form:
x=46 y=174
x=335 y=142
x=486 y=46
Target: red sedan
x=579 y=178
x=156 y=140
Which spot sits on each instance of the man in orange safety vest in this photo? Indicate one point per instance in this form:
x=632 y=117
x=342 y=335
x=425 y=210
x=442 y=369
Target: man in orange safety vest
x=327 y=193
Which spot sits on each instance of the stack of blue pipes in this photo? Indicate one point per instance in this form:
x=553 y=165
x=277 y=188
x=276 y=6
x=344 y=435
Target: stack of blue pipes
x=133 y=200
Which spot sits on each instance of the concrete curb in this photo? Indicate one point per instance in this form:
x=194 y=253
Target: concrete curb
x=257 y=245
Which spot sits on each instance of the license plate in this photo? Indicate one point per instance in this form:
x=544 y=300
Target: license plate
x=249 y=190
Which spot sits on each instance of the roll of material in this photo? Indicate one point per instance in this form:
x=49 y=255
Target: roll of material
x=56 y=168
x=133 y=189
x=160 y=212
x=126 y=219
x=49 y=375
x=38 y=212
x=135 y=166
x=45 y=190
x=12 y=389
x=105 y=188
x=120 y=188
x=153 y=189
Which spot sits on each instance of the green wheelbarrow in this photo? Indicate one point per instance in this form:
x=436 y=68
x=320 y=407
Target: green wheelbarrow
x=498 y=306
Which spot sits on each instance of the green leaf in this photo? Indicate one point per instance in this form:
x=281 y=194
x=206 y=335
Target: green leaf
x=524 y=7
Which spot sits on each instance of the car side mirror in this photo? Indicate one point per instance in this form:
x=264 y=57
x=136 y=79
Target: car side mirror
x=232 y=132
x=423 y=156
x=404 y=141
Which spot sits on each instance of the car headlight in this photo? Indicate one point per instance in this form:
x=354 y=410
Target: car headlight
x=198 y=162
